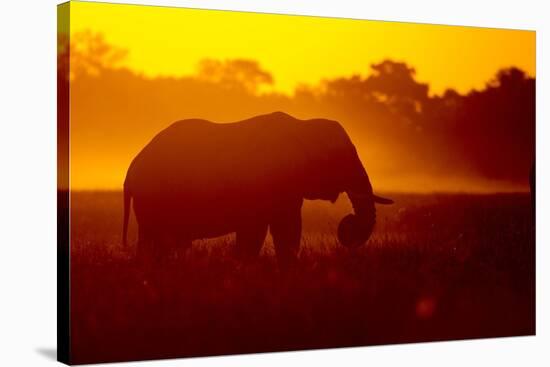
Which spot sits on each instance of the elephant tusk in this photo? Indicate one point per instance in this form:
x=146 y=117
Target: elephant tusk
x=381 y=200
x=377 y=199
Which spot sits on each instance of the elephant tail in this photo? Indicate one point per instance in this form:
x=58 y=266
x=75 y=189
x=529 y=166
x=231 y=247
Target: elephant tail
x=127 y=198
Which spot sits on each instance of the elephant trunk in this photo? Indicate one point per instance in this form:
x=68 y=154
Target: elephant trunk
x=355 y=229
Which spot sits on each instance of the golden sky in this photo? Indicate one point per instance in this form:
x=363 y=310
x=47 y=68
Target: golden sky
x=114 y=116
x=300 y=49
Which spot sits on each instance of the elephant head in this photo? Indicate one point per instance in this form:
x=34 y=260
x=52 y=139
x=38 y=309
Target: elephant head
x=334 y=167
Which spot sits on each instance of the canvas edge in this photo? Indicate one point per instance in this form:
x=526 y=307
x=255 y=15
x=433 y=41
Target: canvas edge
x=63 y=210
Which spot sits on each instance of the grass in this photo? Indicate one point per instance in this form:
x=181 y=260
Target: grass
x=438 y=267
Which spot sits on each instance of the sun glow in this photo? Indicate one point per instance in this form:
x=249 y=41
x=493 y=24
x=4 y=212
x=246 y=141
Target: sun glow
x=303 y=49
x=163 y=64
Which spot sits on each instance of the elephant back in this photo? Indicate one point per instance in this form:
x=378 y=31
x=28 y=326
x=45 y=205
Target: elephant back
x=197 y=160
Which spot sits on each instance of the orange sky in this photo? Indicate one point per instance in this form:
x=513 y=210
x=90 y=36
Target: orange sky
x=300 y=49
x=294 y=49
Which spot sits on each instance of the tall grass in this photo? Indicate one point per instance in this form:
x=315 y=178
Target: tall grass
x=438 y=267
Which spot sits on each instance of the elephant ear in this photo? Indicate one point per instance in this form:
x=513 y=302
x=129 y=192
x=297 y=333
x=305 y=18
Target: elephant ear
x=290 y=157
x=324 y=144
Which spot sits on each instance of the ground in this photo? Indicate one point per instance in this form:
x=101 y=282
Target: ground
x=438 y=267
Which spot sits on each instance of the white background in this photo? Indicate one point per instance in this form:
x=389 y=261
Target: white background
x=28 y=183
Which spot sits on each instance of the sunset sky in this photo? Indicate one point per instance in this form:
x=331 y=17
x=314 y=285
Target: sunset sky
x=300 y=49
x=115 y=114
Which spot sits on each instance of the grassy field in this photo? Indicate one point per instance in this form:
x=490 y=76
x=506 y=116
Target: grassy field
x=438 y=267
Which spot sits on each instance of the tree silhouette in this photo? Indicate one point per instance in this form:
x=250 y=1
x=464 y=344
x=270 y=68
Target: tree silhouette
x=393 y=83
x=238 y=73
x=86 y=52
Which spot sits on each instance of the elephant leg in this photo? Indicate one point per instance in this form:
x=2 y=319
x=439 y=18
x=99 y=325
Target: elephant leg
x=286 y=230
x=181 y=248
x=250 y=241
x=144 y=251
x=163 y=246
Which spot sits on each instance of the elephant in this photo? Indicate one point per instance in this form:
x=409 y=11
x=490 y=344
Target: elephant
x=199 y=179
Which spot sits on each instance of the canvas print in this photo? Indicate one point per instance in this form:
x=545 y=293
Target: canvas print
x=233 y=182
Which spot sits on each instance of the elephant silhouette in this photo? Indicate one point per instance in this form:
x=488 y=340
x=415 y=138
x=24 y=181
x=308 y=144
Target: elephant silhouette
x=199 y=179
